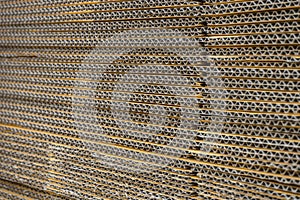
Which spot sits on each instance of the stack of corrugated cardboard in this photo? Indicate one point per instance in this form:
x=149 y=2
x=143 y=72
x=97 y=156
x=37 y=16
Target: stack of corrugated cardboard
x=149 y=99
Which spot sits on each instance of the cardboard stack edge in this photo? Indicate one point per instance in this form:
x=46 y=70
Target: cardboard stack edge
x=149 y=99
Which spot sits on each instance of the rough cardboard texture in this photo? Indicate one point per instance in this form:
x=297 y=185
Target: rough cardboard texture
x=159 y=99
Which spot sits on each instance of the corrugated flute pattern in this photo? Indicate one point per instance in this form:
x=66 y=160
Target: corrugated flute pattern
x=149 y=99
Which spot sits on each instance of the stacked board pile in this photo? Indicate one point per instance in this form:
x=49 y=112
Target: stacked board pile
x=149 y=99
